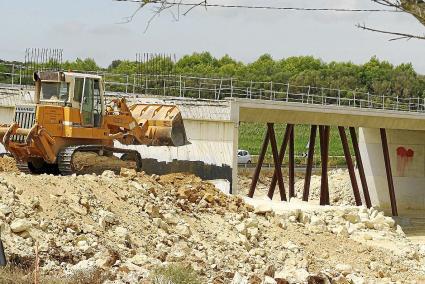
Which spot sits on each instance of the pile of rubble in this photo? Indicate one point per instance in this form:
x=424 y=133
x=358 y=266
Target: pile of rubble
x=8 y=164
x=131 y=224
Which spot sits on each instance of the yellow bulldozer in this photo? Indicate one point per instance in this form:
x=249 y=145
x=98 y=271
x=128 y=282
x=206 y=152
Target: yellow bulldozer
x=70 y=115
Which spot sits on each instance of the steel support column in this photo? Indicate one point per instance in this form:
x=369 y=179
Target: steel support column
x=309 y=169
x=389 y=172
x=292 y=164
x=324 y=149
x=360 y=167
x=257 y=171
x=276 y=160
x=283 y=147
x=350 y=165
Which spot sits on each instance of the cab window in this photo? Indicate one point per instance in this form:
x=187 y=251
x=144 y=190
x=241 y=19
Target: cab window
x=78 y=89
x=55 y=91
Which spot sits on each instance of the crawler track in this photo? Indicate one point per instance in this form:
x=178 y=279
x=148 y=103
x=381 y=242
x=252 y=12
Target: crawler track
x=66 y=156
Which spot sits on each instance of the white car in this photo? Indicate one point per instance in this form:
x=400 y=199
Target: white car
x=244 y=157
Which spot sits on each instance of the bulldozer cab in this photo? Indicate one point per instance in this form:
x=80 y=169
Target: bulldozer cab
x=75 y=90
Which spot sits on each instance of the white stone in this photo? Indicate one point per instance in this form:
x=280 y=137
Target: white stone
x=344 y=268
x=269 y=280
x=301 y=275
x=139 y=259
x=239 y=279
x=170 y=219
x=354 y=279
x=263 y=208
x=108 y=217
x=183 y=230
x=241 y=228
x=121 y=232
x=78 y=208
x=5 y=209
x=20 y=225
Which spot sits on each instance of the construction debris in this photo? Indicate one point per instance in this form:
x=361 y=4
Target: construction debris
x=132 y=223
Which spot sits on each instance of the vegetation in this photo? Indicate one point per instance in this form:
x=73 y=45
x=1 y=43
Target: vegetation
x=375 y=76
x=251 y=136
x=175 y=274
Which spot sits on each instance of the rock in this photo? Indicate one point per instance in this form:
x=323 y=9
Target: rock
x=121 y=232
x=239 y=279
x=160 y=224
x=78 y=208
x=241 y=228
x=316 y=221
x=354 y=279
x=108 y=217
x=263 y=208
x=20 y=225
x=152 y=210
x=128 y=173
x=84 y=267
x=253 y=232
x=251 y=223
x=170 y=219
x=344 y=269
x=340 y=280
x=139 y=259
x=341 y=231
x=183 y=230
x=108 y=174
x=301 y=275
x=352 y=218
x=269 y=280
x=5 y=209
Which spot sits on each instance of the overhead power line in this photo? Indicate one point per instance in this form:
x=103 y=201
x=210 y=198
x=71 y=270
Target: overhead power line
x=234 y=6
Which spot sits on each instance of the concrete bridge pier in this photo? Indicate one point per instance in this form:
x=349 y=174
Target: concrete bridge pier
x=407 y=158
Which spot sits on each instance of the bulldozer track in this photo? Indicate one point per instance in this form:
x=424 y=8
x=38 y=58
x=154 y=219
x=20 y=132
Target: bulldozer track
x=23 y=167
x=65 y=156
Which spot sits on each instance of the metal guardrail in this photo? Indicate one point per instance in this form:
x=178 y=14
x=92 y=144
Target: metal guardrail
x=221 y=88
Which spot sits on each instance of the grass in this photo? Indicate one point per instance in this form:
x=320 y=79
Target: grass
x=175 y=274
x=14 y=275
x=251 y=136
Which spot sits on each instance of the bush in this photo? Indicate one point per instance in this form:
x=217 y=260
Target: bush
x=175 y=274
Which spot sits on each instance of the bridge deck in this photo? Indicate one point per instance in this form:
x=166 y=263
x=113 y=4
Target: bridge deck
x=248 y=110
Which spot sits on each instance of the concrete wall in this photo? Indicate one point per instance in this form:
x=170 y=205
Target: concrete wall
x=6 y=114
x=407 y=155
x=209 y=154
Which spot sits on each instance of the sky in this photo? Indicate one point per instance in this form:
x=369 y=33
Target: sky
x=95 y=29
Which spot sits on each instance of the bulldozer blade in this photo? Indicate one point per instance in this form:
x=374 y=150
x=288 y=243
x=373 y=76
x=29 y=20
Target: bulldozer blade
x=164 y=123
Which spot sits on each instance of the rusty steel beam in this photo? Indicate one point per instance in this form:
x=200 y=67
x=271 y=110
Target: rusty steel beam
x=257 y=171
x=277 y=164
x=360 y=167
x=350 y=165
x=283 y=147
x=309 y=169
x=292 y=164
x=389 y=172
x=324 y=149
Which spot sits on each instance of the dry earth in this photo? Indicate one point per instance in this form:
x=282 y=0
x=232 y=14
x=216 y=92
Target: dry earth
x=129 y=224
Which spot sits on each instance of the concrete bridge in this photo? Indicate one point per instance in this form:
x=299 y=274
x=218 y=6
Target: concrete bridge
x=212 y=126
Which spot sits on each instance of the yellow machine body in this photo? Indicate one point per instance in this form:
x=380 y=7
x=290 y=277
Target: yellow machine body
x=70 y=110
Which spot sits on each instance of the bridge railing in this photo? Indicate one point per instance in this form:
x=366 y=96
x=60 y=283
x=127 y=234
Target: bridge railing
x=221 y=88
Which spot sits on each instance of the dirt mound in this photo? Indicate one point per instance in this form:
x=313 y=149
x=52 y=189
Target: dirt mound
x=8 y=164
x=90 y=162
x=132 y=224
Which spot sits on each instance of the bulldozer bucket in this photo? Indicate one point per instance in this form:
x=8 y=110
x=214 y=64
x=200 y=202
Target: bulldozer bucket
x=163 y=123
